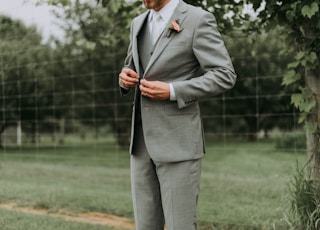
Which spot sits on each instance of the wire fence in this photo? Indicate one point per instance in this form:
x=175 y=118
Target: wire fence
x=77 y=103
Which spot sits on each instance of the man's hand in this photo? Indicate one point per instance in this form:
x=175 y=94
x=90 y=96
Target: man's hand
x=155 y=90
x=128 y=78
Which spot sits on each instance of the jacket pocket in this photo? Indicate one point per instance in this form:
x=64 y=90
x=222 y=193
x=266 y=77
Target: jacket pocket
x=172 y=109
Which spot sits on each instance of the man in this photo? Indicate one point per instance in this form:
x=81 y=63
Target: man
x=175 y=58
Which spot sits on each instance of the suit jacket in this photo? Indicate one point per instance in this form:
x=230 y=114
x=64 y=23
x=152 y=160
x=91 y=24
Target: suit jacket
x=197 y=64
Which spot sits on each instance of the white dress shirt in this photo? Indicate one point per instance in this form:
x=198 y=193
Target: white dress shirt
x=166 y=13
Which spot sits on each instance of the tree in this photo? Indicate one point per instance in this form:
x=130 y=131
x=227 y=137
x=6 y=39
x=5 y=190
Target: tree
x=260 y=67
x=91 y=58
x=258 y=102
x=23 y=88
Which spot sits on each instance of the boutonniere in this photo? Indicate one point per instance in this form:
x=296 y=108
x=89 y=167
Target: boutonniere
x=174 y=26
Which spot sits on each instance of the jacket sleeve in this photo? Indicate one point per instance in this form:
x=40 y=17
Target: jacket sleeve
x=128 y=63
x=218 y=74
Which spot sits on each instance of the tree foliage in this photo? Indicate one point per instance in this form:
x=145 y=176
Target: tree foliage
x=258 y=97
x=22 y=62
x=91 y=56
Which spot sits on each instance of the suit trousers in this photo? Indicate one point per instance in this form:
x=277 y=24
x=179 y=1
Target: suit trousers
x=163 y=193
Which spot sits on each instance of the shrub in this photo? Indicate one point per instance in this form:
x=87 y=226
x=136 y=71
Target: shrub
x=292 y=141
x=305 y=202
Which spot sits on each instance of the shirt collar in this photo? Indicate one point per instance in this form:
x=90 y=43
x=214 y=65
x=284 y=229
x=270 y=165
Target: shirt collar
x=167 y=11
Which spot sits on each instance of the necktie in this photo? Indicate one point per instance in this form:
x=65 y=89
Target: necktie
x=155 y=27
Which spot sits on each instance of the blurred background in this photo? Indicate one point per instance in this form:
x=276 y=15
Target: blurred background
x=65 y=128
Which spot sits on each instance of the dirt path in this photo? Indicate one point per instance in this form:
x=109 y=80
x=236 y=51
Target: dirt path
x=89 y=217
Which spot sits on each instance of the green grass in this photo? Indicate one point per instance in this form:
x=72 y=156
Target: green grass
x=243 y=184
x=74 y=179
x=10 y=220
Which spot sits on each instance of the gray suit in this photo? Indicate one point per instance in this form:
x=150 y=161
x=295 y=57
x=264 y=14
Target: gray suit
x=196 y=63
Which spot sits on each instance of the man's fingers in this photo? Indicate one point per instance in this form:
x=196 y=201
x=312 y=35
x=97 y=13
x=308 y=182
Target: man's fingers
x=128 y=78
x=130 y=73
x=145 y=90
x=125 y=77
x=148 y=89
x=148 y=84
x=155 y=89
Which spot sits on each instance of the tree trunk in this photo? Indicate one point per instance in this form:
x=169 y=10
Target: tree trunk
x=122 y=132
x=33 y=132
x=313 y=136
x=19 y=133
x=2 y=128
x=61 y=130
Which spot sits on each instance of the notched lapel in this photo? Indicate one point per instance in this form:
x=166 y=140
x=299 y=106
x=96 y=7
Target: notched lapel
x=138 y=26
x=164 y=40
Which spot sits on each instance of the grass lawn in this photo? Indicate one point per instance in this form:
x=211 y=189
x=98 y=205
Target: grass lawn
x=243 y=185
x=10 y=220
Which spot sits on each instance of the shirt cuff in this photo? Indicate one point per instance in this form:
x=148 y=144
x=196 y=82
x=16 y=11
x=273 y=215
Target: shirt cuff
x=172 y=93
